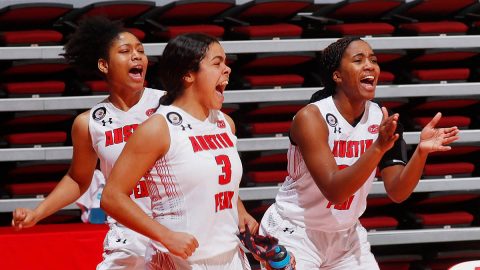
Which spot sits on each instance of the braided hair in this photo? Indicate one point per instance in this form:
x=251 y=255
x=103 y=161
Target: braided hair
x=330 y=59
x=91 y=41
x=182 y=54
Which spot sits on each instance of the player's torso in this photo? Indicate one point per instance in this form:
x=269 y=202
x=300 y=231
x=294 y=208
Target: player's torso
x=196 y=183
x=347 y=144
x=111 y=127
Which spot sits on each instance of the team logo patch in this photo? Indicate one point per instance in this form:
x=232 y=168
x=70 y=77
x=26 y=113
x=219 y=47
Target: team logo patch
x=149 y=112
x=373 y=129
x=99 y=113
x=331 y=120
x=221 y=124
x=174 y=118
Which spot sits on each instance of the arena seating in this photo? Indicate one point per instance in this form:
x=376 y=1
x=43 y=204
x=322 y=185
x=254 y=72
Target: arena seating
x=429 y=63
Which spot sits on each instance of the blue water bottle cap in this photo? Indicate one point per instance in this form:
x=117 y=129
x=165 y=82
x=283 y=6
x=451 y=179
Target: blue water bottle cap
x=280 y=262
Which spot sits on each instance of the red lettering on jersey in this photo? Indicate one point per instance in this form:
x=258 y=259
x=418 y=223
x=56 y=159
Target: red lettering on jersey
x=128 y=130
x=223 y=200
x=108 y=138
x=196 y=147
x=215 y=140
x=202 y=142
x=227 y=139
x=209 y=141
x=350 y=149
x=119 y=135
x=140 y=191
x=342 y=206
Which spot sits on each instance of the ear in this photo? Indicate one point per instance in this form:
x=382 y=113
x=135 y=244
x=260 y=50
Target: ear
x=102 y=65
x=336 y=77
x=189 y=77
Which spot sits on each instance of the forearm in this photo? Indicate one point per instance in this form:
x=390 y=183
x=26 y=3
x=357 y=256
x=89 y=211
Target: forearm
x=405 y=182
x=65 y=193
x=345 y=182
x=122 y=208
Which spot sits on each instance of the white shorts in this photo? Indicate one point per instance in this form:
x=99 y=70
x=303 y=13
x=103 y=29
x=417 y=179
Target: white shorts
x=123 y=249
x=232 y=260
x=347 y=249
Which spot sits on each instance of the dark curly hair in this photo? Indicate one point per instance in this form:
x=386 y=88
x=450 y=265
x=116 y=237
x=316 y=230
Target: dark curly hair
x=330 y=59
x=182 y=54
x=91 y=41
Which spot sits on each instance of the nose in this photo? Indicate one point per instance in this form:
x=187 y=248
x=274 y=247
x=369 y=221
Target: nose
x=227 y=70
x=369 y=65
x=136 y=55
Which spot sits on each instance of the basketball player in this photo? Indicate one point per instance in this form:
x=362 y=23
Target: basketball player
x=101 y=132
x=337 y=143
x=187 y=154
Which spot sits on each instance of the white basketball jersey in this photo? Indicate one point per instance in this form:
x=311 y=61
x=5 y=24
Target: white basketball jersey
x=110 y=129
x=299 y=198
x=194 y=187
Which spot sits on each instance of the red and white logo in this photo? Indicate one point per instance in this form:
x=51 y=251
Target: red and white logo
x=373 y=129
x=149 y=112
x=221 y=124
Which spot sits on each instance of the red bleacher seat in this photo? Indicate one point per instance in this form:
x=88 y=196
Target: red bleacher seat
x=266 y=19
x=433 y=17
x=354 y=17
x=180 y=17
x=126 y=11
x=31 y=23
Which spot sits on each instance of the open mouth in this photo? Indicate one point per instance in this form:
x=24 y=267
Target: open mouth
x=368 y=81
x=136 y=72
x=220 y=88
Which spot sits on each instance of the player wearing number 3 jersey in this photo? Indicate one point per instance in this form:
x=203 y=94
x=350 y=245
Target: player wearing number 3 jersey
x=187 y=154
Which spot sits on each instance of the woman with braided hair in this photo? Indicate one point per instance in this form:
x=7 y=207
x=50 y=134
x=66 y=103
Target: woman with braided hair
x=337 y=143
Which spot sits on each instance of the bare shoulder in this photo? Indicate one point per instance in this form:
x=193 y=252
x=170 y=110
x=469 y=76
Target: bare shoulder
x=308 y=113
x=230 y=122
x=80 y=124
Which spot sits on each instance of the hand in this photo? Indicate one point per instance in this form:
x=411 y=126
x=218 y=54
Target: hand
x=24 y=218
x=386 y=131
x=244 y=218
x=435 y=139
x=180 y=244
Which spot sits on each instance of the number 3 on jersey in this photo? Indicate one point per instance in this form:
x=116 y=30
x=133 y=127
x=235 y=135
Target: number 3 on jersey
x=226 y=175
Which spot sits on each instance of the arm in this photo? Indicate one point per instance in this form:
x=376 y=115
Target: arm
x=72 y=185
x=244 y=218
x=148 y=143
x=400 y=181
x=310 y=132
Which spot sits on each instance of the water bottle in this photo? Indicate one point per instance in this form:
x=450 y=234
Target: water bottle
x=281 y=259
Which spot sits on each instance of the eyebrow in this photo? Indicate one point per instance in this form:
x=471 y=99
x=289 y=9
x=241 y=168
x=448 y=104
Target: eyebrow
x=362 y=54
x=219 y=57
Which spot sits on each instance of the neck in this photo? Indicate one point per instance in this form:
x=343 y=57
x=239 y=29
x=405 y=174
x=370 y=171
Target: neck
x=351 y=110
x=124 y=99
x=190 y=104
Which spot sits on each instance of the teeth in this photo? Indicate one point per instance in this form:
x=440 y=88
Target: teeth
x=224 y=83
x=368 y=78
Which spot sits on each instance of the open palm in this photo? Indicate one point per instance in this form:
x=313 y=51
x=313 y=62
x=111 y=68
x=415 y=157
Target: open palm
x=437 y=139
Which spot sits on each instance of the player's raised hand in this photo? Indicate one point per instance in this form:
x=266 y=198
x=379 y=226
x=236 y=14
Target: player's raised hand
x=437 y=139
x=23 y=218
x=386 y=131
x=180 y=244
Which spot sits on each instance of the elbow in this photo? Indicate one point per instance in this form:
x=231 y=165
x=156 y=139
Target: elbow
x=107 y=200
x=336 y=197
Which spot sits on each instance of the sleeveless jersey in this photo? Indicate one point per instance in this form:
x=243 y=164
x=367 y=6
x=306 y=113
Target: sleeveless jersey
x=194 y=187
x=299 y=198
x=110 y=129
